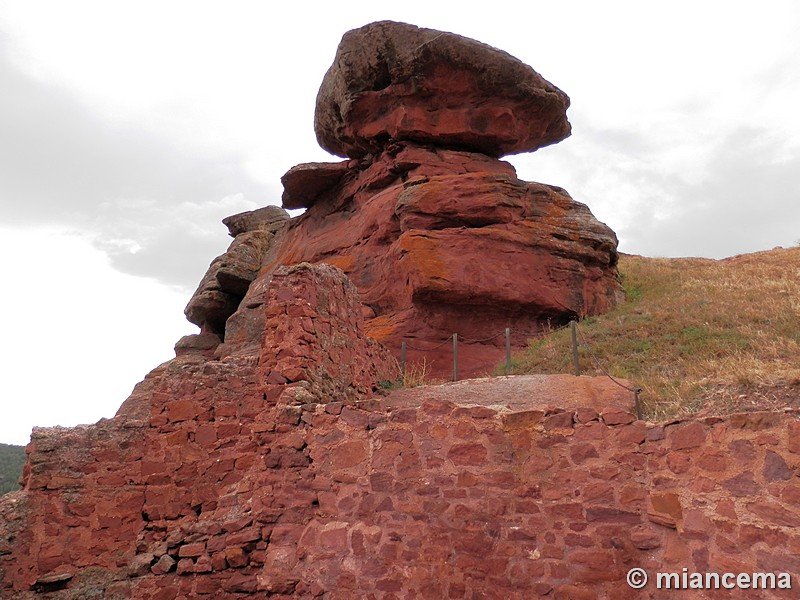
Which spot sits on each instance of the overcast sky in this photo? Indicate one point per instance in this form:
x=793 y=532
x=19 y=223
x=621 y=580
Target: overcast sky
x=128 y=130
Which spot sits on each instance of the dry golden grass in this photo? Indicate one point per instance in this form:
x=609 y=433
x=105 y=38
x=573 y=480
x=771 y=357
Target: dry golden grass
x=694 y=334
x=417 y=374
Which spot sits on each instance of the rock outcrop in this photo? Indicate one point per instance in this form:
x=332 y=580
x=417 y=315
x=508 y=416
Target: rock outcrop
x=444 y=241
x=265 y=460
x=230 y=275
x=438 y=234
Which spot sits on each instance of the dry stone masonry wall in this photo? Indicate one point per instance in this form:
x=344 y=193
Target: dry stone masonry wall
x=219 y=495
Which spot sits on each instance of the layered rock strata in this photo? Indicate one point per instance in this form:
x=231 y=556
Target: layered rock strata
x=442 y=241
x=438 y=234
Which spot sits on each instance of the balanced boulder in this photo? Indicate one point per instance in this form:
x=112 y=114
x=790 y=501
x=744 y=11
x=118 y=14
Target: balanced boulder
x=394 y=81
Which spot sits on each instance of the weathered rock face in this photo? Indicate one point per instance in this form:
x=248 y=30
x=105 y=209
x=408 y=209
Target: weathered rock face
x=393 y=81
x=229 y=276
x=437 y=234
x=444 y=241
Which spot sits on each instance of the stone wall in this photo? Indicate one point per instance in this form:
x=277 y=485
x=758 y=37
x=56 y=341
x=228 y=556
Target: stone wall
x=430 y=501
x=217 y=479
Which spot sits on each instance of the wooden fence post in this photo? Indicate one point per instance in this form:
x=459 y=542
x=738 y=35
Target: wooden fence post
x=575 y=360
x=508 y=351
x=455 y=357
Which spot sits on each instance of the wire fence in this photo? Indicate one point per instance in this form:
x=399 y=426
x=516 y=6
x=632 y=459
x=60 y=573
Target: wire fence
x=577 y=341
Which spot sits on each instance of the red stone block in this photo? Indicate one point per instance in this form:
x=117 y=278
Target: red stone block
x=219 y=562
x=333 y=537
x=605 y=471
x=632 y=494
x=790 y=494
x=203 y=564
x=793 y=436
x=775 y=468
x=703 y=485
x=742 y=450
x=468 y=454
x=684 y=436
x=560 y=420
x=348 y=454
x=163 y=565
x=205 y=435
x=183 y=409
x=236 y=557
x=185 y=566
x=742 y=485
x=679 y=462
x=192 y=550
x=775 y=514
x=581 y=452
x=646 y=538
x=604 y=514
x=583 y=541
x=241 y=538
x=614 y=416
x=696 y=525
x=665 y=509
x=634 y=433
x=355 y=418
x=598 y=492
x=586 y=415
x=727 y=508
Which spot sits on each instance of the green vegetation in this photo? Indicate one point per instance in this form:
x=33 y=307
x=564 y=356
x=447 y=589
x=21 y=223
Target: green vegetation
x=11 y=460
x=694 y=334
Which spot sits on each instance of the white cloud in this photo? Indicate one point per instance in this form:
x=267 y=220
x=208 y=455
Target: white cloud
x=78 y=334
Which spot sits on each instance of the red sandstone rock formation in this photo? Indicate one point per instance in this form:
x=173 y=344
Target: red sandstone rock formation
x=259 y=461
x=438 y=235
x=393 y=81
x=444 y=241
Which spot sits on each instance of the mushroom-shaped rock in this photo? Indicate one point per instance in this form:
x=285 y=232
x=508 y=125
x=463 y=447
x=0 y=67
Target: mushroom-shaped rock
x=394 y=81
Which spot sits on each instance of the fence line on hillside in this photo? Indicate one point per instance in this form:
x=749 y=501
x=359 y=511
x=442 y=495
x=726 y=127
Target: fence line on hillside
x=576 y=337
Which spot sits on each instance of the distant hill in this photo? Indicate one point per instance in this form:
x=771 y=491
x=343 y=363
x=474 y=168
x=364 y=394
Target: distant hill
x=695 y=334
x=12 y=458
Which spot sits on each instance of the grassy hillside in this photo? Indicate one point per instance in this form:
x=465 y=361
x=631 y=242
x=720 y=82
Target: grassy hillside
x=11 y=460
x=694 y=334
